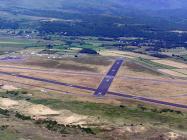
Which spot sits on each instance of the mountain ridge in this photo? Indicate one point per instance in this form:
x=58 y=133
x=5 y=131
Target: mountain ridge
x=97 y=4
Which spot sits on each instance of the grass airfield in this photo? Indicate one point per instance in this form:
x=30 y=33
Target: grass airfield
x=78 y=112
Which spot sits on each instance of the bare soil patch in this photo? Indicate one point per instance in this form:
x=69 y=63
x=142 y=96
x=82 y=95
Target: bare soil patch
x=7 y=103
x=40 y=111
x=9 y=87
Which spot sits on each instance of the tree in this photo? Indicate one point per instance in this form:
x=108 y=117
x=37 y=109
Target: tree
x=88 y=51
x=49 y=46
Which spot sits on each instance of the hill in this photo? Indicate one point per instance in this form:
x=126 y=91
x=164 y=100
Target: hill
x=95 y=5
x=112 y=18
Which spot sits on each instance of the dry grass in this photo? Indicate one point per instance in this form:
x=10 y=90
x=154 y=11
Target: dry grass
x=71 y=78
x=88 y=64
x=60 y=65
x=151 y=89
x=184 y=71
x=91 y=60
x=148 y=88
x=171 y=63
x=136 y=70
x=117 y=53
x=131 y=86
x=36 y=85
x=173 y=73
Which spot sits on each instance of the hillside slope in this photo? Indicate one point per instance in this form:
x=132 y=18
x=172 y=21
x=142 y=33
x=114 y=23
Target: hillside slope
x=96 y=4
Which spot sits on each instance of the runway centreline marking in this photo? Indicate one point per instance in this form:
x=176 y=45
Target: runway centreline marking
x=92 y=89
x=108 y=79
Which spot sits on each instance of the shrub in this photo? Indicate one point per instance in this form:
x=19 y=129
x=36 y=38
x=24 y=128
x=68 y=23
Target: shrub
x=4 y=112
x=22 y=117
x=88 y=51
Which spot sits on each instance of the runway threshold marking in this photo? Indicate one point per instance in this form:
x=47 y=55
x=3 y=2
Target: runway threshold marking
x=108 y=79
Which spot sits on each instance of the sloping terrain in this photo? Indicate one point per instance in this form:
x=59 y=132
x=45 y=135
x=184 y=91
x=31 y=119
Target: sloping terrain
x=103 y=4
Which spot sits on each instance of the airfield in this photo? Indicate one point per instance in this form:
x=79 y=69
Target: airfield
x=120 y=75
x=113 y=94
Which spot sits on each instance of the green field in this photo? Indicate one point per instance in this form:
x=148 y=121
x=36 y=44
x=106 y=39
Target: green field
x=6 y=135
x=12 y=41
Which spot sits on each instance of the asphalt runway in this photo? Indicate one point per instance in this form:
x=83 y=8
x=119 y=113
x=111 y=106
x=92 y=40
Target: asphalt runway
x=11 y=59
x=95 y=75
x=46 y=81
x=139 y=98
x=30 y=85
x=123 y=95
x=108 y=79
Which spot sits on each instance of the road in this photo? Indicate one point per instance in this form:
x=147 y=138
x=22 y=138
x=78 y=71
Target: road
x=108 y=79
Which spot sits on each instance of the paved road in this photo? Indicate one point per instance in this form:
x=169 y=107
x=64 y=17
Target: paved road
x=108 y=79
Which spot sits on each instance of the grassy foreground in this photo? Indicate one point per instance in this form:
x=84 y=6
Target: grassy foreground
x=119 y=115
x=122 y=114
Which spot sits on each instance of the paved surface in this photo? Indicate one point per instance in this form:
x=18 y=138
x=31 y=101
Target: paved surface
x=95 y=75
x=108 y=79
x=31 y=85
x=46 y=81
x=139 y=98
x=11 y=59
x=123 y=95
